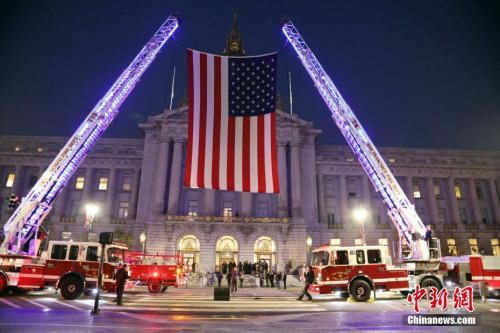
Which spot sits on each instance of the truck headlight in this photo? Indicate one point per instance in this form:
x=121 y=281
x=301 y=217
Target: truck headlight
x=320 y=277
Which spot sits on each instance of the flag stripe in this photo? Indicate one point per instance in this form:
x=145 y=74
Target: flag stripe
x=261 y=155
x=228 y=150
x=187 y=181
x=217 y=123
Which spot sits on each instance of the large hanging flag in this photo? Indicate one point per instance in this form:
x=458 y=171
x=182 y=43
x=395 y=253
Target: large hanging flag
x=232 y=123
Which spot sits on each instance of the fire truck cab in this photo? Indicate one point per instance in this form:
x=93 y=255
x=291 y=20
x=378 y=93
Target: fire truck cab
x=71 y=267
x=358 y=270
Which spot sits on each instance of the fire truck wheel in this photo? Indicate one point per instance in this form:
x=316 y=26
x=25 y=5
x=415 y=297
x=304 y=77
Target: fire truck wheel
x=360 y=291
x=154 y=286
x=164 y=289
x=3 y=285
x=430 y=282
x=71 y=288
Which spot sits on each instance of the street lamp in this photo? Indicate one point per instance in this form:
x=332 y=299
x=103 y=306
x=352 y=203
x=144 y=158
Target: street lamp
x=309 y=242
x=142 y=238
x=360 y=215
x=91 y=209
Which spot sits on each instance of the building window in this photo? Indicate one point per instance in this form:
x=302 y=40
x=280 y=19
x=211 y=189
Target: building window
x=75 y=207
x=441 y=215
x=103 y=184
x=193 y=207
x=391 y=160
x=127 y=183
x=335 y=241
x=473 y=246
x=452 y=247
x=479 y=193
x=123 y=210
x=495 y=247
x=383 y=241
x=40 y=150
x=80 y=181
x=463 y=215
x=358 y=241
x=228 y=209
x=10 y=180
x=416 y=191
x=484 y=215
x=331 y=220
x=376 y=219
x=437 y=192
x=352 y=194
x=458 y=192
x=349 y=159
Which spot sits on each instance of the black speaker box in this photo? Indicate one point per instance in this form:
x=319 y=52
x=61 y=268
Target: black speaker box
x=221 y=294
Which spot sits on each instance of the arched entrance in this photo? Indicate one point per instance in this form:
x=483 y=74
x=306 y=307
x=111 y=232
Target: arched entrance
x=190 y=247
x=265 y=251
x=226 y=251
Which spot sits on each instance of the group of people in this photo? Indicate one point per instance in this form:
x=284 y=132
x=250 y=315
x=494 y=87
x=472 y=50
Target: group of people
x=268 y=279
x=245 y=267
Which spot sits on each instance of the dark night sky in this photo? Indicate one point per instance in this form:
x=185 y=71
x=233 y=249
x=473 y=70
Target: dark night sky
x=422 y=74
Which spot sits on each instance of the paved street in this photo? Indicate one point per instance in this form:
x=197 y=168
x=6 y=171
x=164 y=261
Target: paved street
x=193 y=309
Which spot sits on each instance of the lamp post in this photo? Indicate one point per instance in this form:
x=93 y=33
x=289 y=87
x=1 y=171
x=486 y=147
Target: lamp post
x=142 y=238
x=360 y=215
x=309 y=242
x=91 y=209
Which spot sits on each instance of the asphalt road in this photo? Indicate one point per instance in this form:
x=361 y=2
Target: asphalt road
x=250 y=310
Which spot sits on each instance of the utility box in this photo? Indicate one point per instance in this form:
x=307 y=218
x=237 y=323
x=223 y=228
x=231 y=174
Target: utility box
x=221 y=294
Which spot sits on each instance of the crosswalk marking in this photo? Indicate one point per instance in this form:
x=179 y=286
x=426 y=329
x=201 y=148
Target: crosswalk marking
x=10 y=303
x=35 y=303
x=68 y=305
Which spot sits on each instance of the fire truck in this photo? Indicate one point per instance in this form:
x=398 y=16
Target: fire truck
x=157 y=271
x=69 y=266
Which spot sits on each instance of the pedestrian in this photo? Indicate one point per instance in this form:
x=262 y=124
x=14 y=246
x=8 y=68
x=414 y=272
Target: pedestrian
x=241 y=277
x=234 y=281
x=431 y=239
x=120 y=277
x=284 y=280
x=279 y=278
x=271 y=279
x=228 y=278
x=309 y=279
x=219 y=278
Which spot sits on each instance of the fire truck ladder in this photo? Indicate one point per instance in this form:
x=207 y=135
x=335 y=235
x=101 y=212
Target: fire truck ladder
x=20 y=231
x=399 y=207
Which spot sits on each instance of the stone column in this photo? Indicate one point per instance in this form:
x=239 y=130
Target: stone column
x=321 y=199
x=494 y=199
x=367 y=201
x=110 y=195
x=160 y=182
x=296 y=186
x=18 y=186
x=283 y=179
x=245 y=204
x=132 y=208
x=88 y=185
x=208 y=202
x=409 y=186
x=344 y=213
x=431 y=200
x=475 y=213
x=175 y=178
x=455 y=214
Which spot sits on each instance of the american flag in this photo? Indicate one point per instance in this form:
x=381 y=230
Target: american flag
x=232 y=123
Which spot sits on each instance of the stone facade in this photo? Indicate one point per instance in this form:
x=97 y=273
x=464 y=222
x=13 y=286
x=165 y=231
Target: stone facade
x=138 y=185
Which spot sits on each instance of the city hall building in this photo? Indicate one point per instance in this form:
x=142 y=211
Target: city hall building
x=137 y=185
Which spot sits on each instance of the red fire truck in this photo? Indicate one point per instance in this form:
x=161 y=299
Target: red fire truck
x=71 y=267
x=472 y=270
x=157 y=271
x=358 y=270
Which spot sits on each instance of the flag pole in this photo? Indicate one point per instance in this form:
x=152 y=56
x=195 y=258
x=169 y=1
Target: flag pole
x=172 y=94
x=290 y=85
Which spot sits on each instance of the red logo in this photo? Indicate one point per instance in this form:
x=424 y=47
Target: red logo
x=462 y=298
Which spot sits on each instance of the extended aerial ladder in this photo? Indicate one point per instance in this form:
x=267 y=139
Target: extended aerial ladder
x=399 y=208
x=20 y=231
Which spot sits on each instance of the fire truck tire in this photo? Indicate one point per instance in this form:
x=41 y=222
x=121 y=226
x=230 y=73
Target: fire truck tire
x=360 y=291
x=71 y=287
x=430 y=282
x=164 y=289
x=3 y=285
x=154 y=286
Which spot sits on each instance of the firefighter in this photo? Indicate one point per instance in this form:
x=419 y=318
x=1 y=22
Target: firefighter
x=309 y=280
x=121 y=277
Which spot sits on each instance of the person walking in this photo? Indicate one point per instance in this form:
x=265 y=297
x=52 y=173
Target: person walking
x=219 y=278
x=121 y=277
x=309 y=278
x=279 y=278
x=234 y=281
x=228 y=277
x=284 y=280
x=241 y=277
